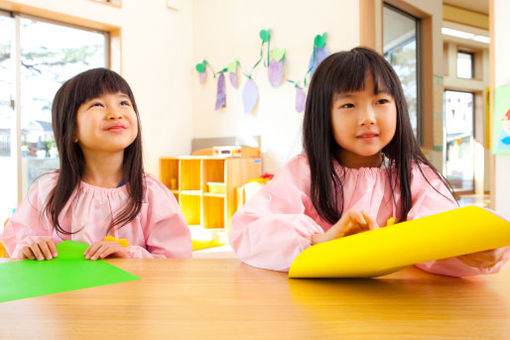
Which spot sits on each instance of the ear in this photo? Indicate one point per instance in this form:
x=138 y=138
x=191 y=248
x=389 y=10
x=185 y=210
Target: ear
x=75 y=139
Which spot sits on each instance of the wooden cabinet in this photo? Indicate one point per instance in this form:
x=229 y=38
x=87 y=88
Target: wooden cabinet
x=208 y=212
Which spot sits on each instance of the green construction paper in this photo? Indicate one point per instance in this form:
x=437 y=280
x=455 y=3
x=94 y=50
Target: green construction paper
x=68 y=271
x=200 y=67
x=265 y=35
x=232 y=67
x=320 y=40
x=278 y=53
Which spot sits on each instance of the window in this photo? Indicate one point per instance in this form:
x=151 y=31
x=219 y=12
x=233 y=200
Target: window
x=402 y=44
x=36 y=57
x=459 y=128
x=465 y=65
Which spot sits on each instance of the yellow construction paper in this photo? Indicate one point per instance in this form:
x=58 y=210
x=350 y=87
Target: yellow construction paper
x=201 y=244
x=385 y=250
x=122 y=241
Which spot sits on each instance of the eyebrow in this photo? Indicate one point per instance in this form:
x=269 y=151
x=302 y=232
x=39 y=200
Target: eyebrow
x=352 y=94
x=344 y=95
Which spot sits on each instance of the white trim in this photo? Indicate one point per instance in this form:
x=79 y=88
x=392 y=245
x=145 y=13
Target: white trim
x=18 y=107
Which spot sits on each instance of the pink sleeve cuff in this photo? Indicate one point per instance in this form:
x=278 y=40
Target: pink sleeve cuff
x=454 y=267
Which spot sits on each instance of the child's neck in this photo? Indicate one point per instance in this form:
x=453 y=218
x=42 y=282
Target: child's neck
x=103 y=170
x=355 y=161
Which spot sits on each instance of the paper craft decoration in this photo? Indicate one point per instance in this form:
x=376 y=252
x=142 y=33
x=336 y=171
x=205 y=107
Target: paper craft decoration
x=265 y=35
x=202 y=71
x=250 y=95
x=68 y=271
x=320 y=52
x=300 y=99
x=232 y=69
x=275 y=69
x=274 y=60
x=501 y=131
x=385 y=250
x=220 y=92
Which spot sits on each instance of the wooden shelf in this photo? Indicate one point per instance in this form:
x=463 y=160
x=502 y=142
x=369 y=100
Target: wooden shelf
x=191 y=192
x=210 y=194
x=187 y=178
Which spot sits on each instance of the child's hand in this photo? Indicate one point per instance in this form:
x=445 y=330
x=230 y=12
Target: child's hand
x=41 y=249
x=483 y=259
x=102 y=249
x=351 y=222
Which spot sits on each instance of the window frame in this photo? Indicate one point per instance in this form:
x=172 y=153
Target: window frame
x=419 y=67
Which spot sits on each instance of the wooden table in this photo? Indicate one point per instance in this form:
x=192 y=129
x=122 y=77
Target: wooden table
x=225 y=299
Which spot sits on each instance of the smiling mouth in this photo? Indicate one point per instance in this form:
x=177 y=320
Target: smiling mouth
x=368 y=136
x=116 y=129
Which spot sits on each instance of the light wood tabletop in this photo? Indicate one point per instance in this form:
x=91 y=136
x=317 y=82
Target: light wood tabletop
x=208 y=298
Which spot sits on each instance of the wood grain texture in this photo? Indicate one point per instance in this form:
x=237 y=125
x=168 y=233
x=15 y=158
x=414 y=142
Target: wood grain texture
x=225 y=299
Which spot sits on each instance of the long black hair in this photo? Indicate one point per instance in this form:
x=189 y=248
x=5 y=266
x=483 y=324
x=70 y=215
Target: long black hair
x=347 y=71
x=74 y=92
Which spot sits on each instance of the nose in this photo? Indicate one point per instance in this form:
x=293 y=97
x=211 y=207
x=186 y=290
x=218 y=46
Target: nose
x=367 y=116
x=114 y=114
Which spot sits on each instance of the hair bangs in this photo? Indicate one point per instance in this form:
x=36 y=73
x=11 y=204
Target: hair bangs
x=351 y=74
x=98 y=82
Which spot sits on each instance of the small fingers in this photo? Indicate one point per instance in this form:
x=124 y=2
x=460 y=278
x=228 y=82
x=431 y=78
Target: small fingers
x=92 y=250
x=37 y=251
x=372 y=224
x=358 y=217
x=103 y=247
x=107 y=251
x=52 y=248
x=43 y=245
x=27 y=253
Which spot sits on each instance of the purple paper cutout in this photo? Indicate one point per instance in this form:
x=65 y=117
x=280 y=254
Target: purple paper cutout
x=250 y=95
x=320 y=55
x=275 y=72
x=220 y=92
x=233 y=80
x=300 y=100
x=202 y=77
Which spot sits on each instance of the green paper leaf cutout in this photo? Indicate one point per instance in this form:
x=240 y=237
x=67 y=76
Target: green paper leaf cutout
x=320 y=40
x=265 y=35
x=232 y=67
x=200 y=67
x=278 y=53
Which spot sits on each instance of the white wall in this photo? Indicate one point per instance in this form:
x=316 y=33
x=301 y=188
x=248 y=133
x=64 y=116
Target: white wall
x=222 y=33
x=502 y=76
x=156 y=62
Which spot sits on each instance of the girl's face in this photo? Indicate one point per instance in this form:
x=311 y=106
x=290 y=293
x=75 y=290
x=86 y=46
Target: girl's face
x=107 y=123
x=363 y=124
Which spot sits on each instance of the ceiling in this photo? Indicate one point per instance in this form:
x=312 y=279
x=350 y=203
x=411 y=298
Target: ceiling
x=481 y=6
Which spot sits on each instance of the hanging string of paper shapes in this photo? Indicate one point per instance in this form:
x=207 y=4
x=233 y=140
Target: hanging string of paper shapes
x=274 y=61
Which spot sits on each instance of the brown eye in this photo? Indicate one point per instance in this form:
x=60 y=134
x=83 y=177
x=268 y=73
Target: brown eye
x=383 y=101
